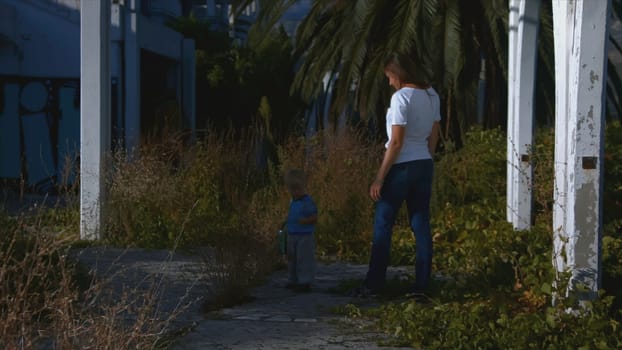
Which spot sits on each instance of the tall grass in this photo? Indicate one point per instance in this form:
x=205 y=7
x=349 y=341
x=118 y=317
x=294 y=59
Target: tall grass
x=218 y=197
x=47 y=300
x=229 y=195
x=340 y=168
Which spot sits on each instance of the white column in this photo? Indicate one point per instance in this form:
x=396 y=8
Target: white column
x=94 y=112
x=512 y=29
x=188 y=84
x=132 y=76
x=586 y=52
x=560 y=25
x=521 y=98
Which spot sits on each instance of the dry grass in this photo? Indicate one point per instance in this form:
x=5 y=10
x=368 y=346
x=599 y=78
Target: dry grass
x=212 y=196
x=220 y=182
x=233 y=205
x=340 y=168
x=49 y=301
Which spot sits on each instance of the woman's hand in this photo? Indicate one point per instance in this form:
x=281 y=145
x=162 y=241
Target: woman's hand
x=393 y=149
x=375 y=189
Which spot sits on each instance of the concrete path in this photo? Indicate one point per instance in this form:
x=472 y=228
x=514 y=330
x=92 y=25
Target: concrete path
x=177 y=281
x=282 y=319
x=277 y=318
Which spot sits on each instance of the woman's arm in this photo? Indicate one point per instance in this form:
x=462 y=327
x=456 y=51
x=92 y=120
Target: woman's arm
x=390 y=155
x=433 y=138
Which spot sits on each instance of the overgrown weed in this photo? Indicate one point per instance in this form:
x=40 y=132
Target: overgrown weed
x=48 y=299
x=239 y=201
x=500 y=292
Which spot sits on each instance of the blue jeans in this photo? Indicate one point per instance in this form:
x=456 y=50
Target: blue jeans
x=410 y=182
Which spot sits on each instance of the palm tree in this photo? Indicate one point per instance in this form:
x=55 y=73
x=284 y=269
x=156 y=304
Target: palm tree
x=447 y=38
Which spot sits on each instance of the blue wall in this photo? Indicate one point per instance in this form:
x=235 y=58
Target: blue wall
x=39 y=130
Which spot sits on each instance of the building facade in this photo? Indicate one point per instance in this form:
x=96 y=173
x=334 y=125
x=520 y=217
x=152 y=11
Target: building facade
x=221 y=17
x=219 y=13
x=152 y=80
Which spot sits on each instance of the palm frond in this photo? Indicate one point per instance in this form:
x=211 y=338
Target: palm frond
x=496 y=14
x=452 y=48
x=404 y=25
x=614 y=87
x=322 y=55
x=546 y=40
x=616 y=6
x=615 y=44
x=312 y=24
x=355 y=49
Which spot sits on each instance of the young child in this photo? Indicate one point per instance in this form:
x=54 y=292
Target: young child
x=300 y=226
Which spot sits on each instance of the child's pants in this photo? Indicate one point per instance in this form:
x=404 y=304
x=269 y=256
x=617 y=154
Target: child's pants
x=301 y=258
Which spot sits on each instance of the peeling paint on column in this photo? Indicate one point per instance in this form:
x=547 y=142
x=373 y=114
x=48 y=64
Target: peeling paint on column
x=593 y=77
x=560 y=239
x=581 y=48
x=586 y=236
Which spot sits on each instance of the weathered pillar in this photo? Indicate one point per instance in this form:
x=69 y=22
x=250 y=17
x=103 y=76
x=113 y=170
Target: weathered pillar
x=560 y=25
x=188 y=85
x=132 y=75
x=94 y=112
x=512 y=29
x=523 y=46
x=581 y=102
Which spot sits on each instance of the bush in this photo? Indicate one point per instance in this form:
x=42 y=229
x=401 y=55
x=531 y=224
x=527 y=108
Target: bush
x=48 y=301
x=474 y=174
x=210 y=199
x=176 y=196
x=193 y=196
x=491 y=324
x=497 y=287
x=613 y=178
x=340 y=168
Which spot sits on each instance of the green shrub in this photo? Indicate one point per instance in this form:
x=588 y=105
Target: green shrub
x=474 y=174
x=496 y=324
x=183 y=198
x=498 y=282
x=613 y=178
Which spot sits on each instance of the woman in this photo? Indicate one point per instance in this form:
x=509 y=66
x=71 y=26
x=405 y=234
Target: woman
x=406 y=172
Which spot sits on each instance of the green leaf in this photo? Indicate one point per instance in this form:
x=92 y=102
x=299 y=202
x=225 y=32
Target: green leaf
x=546 y=288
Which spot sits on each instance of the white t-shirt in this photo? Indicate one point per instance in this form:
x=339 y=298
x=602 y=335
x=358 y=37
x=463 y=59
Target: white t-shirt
x=417 y=110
